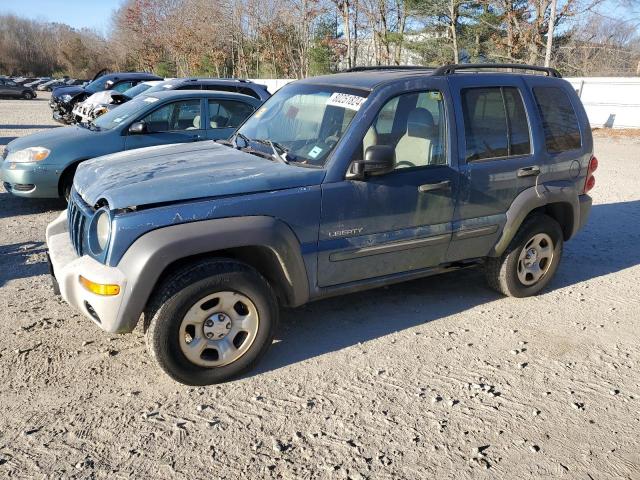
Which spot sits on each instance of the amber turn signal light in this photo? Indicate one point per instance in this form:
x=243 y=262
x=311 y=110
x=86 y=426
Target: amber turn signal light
x=99 y=288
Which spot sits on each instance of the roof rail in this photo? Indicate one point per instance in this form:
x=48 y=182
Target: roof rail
x=386 y=67
x=451 y=69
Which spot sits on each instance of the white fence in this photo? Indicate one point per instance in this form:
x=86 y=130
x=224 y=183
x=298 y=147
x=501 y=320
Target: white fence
x=612 y=102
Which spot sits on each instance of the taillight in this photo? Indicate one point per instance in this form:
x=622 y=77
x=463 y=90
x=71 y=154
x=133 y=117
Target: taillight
x=590 y=181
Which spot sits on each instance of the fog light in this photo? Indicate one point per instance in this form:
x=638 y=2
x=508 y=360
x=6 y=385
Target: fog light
x=99 y=288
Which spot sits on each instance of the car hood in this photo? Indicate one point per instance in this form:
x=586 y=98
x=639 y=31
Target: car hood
x=100 y=98
x=180 y=172
x=51 y=138
x=72 y=90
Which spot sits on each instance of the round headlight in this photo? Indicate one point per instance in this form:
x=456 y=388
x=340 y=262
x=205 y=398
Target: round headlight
x=103 y=229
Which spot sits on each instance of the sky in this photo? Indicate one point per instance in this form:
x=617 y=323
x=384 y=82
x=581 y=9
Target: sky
x=94 y=14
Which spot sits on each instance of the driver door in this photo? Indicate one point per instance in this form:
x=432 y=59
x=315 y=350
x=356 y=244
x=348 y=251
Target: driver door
x=400 y=221
x=175 y=122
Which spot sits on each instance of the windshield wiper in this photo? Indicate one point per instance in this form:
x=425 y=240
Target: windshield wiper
x=247 y=140
x=279 y=157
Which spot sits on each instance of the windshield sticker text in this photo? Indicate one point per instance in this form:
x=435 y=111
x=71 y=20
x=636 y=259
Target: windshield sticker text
x=344 y=100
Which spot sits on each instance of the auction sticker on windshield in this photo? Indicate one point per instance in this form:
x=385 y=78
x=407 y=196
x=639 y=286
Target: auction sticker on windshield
x=344 y=100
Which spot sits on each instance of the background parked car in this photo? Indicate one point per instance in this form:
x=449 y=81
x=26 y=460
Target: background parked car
x=101 y=102
x=63 y=99
x=43 y=164
x=9 y=88
x=37 y=82
x=246 y=87
x=50 y=85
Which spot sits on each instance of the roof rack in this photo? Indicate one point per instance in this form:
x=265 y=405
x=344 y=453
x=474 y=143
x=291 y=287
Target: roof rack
x=387 y=67
x=451 y=69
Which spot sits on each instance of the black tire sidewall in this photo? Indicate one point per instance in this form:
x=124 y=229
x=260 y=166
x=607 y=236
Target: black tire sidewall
x=163 y=332
x=542 y=224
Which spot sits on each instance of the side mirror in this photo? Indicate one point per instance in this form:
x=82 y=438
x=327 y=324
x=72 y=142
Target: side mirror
x=137 y=128
x=378 y=160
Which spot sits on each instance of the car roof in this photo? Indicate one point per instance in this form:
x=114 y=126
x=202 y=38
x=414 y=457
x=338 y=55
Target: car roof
x=200 y=94
x=120 y=75
x=368 y=78
x=215 y=81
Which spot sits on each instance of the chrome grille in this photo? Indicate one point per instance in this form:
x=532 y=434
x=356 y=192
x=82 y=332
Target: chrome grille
x=78 y=216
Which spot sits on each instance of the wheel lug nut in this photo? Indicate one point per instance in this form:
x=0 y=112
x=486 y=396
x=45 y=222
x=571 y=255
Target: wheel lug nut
x=209 y=323
x=221 y=317
x=209 y=335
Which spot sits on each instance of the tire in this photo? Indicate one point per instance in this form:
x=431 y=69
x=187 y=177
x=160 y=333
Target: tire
x=190 y=295
x=27 y=95
x=510 y=274
x=66 y=184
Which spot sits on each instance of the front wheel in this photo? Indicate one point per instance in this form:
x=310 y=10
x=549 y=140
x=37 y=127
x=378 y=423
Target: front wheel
x=27 y=95
x=531 y=259
x=211 y=321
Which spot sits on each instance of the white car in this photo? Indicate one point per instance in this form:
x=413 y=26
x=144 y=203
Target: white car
x=101 y=102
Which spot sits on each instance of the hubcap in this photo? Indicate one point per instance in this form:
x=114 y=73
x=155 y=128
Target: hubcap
x=535 y=259
x=218 y=329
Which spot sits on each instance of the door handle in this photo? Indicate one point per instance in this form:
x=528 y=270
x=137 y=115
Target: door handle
x=430 y=187
x=532 y=171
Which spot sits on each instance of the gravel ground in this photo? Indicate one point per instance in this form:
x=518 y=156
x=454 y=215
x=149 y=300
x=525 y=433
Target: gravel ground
x=436 y=378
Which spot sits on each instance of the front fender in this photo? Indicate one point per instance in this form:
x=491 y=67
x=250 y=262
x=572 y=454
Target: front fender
x=148 y=257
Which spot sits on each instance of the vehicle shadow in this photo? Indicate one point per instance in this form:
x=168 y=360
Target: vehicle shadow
x=608 y=244
x=12 y=206
x=22 y=260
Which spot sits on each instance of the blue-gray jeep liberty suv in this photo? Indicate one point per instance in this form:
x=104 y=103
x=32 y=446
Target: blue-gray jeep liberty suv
x=336 y=184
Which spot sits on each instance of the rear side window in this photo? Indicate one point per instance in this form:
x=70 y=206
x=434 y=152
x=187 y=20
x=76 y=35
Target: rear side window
x=495 y=123
x=559 y=121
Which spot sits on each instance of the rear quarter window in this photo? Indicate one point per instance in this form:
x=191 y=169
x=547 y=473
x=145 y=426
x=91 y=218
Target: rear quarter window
x=559 y=120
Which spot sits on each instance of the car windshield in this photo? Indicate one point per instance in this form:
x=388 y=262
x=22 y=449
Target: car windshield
x=306 y=121
x=137 y=90
x=97 y=85
x=123 y=112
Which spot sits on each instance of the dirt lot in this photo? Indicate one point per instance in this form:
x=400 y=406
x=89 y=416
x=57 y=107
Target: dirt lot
x=437 y=378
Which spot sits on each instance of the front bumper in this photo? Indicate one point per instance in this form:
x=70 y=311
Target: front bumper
x=30 y=180
x=67 y=268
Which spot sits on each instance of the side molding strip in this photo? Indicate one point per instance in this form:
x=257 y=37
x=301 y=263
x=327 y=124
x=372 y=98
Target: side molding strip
x=388 y=248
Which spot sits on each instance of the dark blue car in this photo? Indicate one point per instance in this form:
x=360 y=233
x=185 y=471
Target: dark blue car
x=336 y=184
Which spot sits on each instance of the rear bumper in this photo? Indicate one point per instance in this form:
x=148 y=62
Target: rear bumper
x=67 y=267
x=585 y=209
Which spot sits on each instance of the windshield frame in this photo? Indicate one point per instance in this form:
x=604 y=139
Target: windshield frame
x=301 y=88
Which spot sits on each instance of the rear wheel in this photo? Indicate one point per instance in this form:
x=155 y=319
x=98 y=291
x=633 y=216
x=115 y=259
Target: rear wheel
x=210 y=322
x=531 y=259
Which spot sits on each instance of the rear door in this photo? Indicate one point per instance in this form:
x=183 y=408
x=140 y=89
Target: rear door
x=401 y=221
x=496 y=157
x=173 y=122
x=224 y=116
